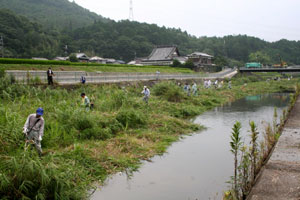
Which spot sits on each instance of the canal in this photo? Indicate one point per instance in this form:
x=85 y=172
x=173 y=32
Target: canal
x=198 y=166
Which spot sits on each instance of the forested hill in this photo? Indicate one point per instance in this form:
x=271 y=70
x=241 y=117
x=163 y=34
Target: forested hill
x=58 y=14
x=24 y=39
x=125 y=39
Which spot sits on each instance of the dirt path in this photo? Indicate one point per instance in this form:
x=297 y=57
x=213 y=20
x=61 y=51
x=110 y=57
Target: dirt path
x=280 y=180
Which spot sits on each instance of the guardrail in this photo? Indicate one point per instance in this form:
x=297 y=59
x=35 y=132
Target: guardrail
x=73 y=77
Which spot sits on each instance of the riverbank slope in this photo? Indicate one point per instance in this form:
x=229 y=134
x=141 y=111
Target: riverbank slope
x=280 y=178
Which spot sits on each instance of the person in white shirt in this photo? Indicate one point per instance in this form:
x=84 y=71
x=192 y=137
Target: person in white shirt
x=34 y=129
x=194 y=88
x=146 y=93
x=85 y=101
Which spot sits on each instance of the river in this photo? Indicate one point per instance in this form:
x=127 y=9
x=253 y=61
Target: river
x=198 y=166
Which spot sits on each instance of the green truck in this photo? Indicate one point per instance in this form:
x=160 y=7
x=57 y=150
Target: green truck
x=253 y=65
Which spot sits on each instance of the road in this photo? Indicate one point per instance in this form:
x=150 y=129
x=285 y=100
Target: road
x=73 y=77
x=287 y=70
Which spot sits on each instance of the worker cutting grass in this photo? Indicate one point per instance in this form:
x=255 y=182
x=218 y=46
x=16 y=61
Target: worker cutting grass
x=34 y=129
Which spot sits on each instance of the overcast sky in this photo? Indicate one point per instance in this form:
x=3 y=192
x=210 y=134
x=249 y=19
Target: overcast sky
x=270 y=20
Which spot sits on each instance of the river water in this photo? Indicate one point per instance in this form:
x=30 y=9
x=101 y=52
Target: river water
x=198 y=166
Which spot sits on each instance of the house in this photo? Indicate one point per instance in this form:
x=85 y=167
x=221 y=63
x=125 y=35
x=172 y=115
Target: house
x=82 y=57
x=35 y=58
x=200 y=59
x=97 y=59
x=162 y=55
x=136 y=61
x=61 y=58
x=110 y=61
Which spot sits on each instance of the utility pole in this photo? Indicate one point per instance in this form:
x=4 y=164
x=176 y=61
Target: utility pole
x=2 y=46
x=66 y=50
x=131 y=11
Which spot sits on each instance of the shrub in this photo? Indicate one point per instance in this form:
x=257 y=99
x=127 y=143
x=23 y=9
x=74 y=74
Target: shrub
x=131 y=118
x=73 y=58
x=2 y=72
x=169 y=91
x=116 y=100
x=96 y=133
x=176 y=63
x=111 y=123
x=83 y=122
x=39 y=182
x=185 y=111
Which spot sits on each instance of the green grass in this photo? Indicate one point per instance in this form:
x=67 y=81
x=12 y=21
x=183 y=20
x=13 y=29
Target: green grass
x=82 y=147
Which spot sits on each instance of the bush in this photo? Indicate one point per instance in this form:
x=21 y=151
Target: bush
x=96 y=133
x=189 y=64
x=131 y=118
x=176 y=63
x=2 y=72
x=169 y=91
x=73 y=58
x=185 y=111
x=26 y=177
x=83 y=122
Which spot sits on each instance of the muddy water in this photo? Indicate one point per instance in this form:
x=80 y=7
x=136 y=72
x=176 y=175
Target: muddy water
x=198 y=166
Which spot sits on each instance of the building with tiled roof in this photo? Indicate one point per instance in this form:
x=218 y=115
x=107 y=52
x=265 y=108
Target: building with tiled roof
x=161 y=55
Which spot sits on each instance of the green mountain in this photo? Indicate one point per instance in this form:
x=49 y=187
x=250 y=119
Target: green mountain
x=125 y=39
x=66 y=23
x=60 y=14
x=24 y=39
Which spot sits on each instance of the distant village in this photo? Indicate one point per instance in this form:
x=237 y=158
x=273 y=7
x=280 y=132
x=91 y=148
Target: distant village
x=160 y=55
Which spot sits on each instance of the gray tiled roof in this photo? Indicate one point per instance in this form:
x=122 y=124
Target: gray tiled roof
x=200 y=54
x=163 y=53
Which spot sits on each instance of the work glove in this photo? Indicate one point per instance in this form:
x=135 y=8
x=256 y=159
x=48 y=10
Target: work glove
x=25 y=130
x=40 y=138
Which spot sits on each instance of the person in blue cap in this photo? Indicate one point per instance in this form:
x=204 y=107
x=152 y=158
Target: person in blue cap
x=34 y=129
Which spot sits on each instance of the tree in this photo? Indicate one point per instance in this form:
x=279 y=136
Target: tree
x=189 y=64
x=220 y=61
x=73 y=58
x=176 y=63
x=261 y=57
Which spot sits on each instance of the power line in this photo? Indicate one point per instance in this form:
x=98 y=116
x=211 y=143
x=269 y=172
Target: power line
x=131 y=11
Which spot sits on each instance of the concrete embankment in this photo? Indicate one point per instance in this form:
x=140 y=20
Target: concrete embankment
x=280 y=178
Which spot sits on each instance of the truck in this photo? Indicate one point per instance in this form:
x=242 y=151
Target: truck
x=253 y=65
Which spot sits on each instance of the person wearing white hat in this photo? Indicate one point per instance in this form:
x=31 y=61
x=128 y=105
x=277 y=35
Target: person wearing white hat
x=146 y=93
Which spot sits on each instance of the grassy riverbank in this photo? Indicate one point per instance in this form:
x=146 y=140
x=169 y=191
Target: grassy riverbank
x=83 y=147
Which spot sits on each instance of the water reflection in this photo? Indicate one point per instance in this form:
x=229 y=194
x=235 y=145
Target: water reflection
x=198 y=166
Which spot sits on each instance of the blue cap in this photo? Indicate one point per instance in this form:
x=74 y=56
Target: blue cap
x=40 y=111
